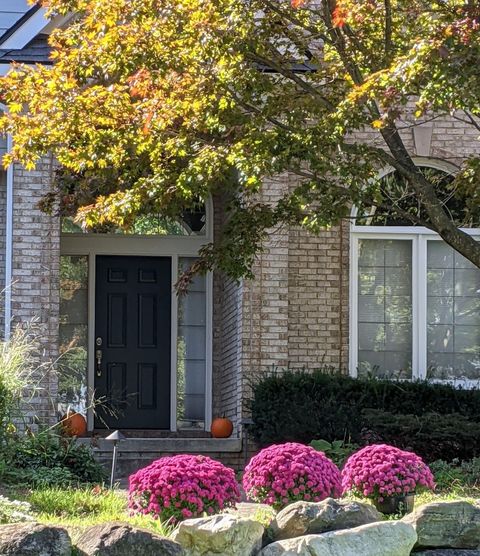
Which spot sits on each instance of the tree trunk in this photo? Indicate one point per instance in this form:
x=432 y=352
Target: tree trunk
x=441 y=223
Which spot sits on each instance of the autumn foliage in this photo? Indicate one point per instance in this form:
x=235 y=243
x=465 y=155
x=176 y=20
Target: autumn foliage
x=153 y=105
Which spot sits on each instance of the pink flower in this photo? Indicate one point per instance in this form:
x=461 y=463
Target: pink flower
x=278 y=474
x=380 y=469
x=169 y=487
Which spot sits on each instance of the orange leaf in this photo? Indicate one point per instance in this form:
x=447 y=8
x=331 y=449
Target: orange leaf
x=146 y=125
x=339 y=17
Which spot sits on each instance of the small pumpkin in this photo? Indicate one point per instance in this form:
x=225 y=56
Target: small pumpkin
x=221 y=427
x=74 y=424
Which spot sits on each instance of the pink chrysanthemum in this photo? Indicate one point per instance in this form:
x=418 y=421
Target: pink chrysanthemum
x=285 y=473
x=379 y=471
x=183 y=486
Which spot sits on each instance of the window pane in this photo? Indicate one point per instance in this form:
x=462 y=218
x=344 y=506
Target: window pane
x=72 y=365
x=385 y=308
x=453 y=312
x=191 y=223
x=191 y=366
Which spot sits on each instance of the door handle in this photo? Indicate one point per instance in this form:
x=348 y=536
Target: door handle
x=98 y=356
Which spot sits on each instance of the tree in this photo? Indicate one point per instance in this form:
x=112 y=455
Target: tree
x=152 y=105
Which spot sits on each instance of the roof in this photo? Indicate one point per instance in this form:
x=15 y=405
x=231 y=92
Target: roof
x=37 y=51
x=11 y=11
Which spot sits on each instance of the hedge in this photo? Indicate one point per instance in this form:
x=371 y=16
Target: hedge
x=437 y=420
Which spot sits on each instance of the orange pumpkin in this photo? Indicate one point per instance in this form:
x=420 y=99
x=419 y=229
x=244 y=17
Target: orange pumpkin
x=221 y=427
x=74 y=424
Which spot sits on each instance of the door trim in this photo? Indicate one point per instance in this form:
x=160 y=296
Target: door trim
x=91 y=245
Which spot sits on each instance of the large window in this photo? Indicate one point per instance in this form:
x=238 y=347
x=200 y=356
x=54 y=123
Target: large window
x=415 y=309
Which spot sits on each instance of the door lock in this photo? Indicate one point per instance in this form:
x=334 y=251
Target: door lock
x=98 y=356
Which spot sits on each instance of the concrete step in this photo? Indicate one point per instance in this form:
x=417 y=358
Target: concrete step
x=135 y=453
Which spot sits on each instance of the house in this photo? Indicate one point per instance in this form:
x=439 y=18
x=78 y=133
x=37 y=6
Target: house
x=371 y=295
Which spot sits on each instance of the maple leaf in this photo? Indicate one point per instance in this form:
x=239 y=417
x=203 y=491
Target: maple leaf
x=339 y=16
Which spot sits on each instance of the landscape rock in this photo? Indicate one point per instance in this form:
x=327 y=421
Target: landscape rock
x=224 y=534
x=34 y=539
x=120 y=539
x=446 y=525
x=448 y=552
x=308 y=518
x=258 y=512
x=387 y=538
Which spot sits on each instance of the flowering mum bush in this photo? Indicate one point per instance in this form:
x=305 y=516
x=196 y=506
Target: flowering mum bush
x=183 y=486
x=379 y=471
x=285 y=473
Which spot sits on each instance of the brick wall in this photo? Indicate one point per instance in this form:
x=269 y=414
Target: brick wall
x=35 y=267
x=294 y=313
x=3 y=203
x=227 y=331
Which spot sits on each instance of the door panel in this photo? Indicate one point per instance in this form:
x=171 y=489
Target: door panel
x=133 y=325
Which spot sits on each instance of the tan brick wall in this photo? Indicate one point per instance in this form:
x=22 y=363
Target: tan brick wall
x=227 y=328
x=318 y=294
x=294 y=313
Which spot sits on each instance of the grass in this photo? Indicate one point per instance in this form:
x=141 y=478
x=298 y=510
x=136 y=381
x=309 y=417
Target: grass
x=464 y=493
x=76 y=508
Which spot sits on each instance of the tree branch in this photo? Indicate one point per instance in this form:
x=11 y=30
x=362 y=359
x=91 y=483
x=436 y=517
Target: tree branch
x=388 y=28
x=282 y=70
x=251 y=108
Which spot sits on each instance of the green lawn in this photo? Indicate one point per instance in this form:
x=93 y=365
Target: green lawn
x=75 y=508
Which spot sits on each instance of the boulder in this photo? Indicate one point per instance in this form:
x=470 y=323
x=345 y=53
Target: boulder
x=308 y=518
x=387 y=538
x=446 y=525
x=224 y=534
x=258 y=512
x=34 y=539
x=448 y=552
x=120 y=539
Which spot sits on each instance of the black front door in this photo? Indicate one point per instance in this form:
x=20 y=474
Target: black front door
x=132 y=342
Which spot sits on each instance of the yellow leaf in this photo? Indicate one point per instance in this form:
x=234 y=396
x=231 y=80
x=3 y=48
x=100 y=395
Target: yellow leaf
x=15 y=107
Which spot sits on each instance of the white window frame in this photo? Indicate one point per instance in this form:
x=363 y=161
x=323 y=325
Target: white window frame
x=418 y=236
x=175 y=247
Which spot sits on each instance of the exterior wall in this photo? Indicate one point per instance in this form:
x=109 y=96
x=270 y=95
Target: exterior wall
x=318 y=298
x=293 y=314
x=3 y=207
x=296 y=311
x=35 y=267
x=227 y=329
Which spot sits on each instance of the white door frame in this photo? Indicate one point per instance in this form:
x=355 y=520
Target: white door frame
x=175 y=247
